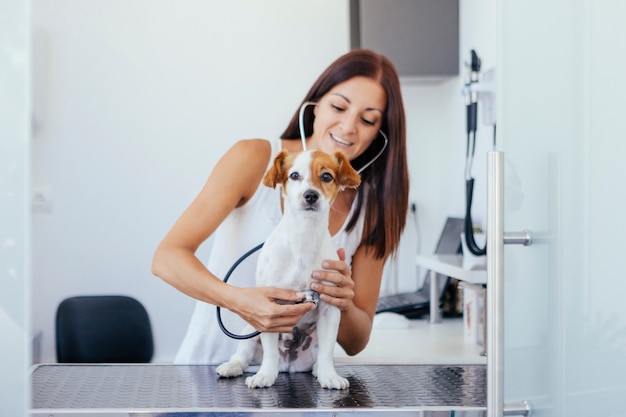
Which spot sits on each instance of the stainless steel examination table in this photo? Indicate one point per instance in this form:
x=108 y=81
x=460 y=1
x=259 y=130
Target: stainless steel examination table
x=196 y=390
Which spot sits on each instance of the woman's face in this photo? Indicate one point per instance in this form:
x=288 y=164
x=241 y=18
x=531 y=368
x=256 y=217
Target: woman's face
x=348 y=117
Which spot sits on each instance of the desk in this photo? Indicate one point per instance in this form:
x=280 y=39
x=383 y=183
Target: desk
x=455 y=266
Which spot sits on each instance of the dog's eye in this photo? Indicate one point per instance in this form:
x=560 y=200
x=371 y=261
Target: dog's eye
x=294 y=176
x=326 y=177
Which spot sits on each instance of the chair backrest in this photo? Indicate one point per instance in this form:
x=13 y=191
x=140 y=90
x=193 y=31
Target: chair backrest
x=103 y=329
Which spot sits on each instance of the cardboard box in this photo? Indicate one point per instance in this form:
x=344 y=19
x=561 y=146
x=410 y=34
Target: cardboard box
x=474 y=320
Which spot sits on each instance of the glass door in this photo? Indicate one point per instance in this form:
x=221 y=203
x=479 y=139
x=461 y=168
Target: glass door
x=14 y=195
x=561 y=91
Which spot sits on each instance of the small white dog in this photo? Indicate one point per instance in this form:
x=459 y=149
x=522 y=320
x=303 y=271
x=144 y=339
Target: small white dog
x=310 y=181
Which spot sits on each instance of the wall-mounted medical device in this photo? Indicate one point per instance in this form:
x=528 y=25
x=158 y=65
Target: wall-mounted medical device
x=475 y=92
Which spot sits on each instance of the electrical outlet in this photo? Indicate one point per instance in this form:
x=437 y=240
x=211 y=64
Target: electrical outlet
x=42 y=199
x=487 y=96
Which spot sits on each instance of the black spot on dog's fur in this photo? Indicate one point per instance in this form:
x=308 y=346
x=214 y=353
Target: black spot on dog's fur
x=299 y=340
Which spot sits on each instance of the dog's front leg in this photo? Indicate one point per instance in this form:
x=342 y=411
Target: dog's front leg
x=266 y=376
x=327 y=329
x=242 y=357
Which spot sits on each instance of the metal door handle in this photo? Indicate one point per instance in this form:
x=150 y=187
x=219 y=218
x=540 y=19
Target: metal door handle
x=519 y=409
x=524 y=237
x=496 y=238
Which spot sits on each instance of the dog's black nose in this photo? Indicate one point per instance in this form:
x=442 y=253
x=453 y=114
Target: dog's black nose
x=311 y=197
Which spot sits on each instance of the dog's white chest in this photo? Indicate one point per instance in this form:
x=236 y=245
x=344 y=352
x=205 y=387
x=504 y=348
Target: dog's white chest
x=287 y=261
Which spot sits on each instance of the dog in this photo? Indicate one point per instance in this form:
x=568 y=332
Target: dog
x=310 y=181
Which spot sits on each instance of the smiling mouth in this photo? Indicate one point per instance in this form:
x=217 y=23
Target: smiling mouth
x=340 y=140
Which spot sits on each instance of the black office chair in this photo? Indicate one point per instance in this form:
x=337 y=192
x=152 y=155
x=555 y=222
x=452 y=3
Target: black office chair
x=103 y=329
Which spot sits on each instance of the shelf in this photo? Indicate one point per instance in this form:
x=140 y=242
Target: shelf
x=456 y=266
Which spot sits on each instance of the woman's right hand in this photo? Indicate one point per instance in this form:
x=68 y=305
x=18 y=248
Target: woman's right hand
x=270 y=309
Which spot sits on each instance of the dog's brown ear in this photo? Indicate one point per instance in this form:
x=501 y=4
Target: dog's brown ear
x=275 y=174
x=348 y=177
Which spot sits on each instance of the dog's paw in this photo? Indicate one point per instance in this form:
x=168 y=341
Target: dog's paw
x=230 y=369
x=333 y=381
x=261 y=380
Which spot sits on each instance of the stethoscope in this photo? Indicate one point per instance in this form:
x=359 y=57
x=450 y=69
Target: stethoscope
x=310 y=296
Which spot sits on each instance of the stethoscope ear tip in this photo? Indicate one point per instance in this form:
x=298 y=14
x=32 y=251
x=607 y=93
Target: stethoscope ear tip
x=301 y=121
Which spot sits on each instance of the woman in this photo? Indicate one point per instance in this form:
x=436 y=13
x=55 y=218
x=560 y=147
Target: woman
x=355 y=106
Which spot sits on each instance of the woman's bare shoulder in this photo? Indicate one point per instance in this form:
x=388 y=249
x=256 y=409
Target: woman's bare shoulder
x=243 y=167
x=252 y=153
x=252 y=146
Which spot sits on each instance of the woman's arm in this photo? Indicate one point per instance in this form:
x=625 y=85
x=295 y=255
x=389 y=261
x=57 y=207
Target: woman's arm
x=356 y=295
x=232 y=183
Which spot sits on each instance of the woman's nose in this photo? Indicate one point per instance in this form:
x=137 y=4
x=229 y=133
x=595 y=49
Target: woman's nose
x=349 y=123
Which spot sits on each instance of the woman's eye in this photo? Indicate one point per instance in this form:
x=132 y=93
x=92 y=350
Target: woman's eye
x=337 y=108
x=294 y=176
x=326 y=177
x=368 y=122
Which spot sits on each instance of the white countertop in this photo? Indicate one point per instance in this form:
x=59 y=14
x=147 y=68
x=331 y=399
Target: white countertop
x=420 y=343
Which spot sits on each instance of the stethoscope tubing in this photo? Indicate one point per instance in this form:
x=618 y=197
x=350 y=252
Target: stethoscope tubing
x=256 y=248
x=226 y=277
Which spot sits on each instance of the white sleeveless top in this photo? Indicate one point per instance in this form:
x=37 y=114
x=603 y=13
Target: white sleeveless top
x=245 y=227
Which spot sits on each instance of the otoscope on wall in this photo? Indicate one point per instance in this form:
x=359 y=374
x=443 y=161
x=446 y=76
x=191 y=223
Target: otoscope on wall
x=475 y=92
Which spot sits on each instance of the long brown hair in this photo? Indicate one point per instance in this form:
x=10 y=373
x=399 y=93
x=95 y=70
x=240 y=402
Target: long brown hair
x=387 y=177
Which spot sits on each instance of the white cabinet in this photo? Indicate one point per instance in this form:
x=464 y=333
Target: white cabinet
x=421 y=37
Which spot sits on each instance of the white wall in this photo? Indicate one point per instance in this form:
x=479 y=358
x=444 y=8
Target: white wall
x=135 y=102
x=437 y=138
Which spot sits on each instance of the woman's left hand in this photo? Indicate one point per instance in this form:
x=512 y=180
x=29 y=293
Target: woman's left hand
x=338 y=273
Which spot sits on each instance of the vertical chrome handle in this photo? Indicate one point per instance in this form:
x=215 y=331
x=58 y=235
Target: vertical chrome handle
x=495 y=293
x=496 y=239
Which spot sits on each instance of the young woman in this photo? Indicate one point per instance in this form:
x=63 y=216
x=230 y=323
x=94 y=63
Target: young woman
x=355 y=106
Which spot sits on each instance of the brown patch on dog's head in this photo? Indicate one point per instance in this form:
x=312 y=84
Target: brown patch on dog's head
x=347 y=176
x=343 y=172
x=277 y=173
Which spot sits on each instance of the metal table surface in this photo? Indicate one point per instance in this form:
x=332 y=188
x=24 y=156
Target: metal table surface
x=196 y=390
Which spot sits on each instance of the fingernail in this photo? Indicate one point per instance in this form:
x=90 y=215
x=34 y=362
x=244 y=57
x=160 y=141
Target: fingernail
x=325 y=264
x=316 y=274
x=315 y=286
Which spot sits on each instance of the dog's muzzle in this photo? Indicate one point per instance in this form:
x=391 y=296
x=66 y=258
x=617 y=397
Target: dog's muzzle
x=311 y=199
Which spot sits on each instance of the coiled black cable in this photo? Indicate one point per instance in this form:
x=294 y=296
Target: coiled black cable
x=468 y=225
x=219 y=313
